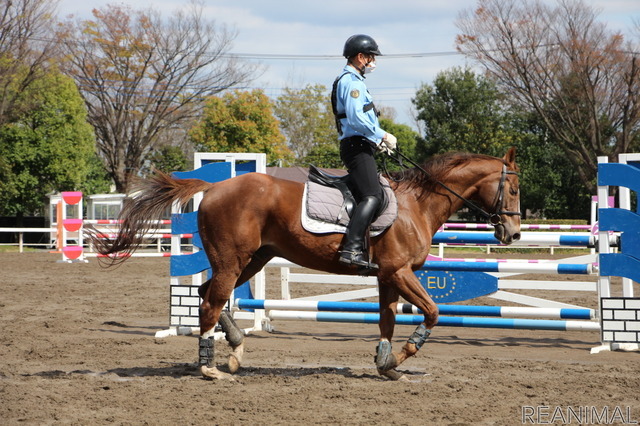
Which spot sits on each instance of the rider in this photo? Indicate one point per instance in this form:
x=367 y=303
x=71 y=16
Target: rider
x=360 y=135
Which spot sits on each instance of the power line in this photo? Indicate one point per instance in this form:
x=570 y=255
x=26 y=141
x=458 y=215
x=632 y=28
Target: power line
x=277 y=56
x=289 y=57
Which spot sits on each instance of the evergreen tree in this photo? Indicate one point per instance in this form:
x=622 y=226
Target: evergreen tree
x=47 y=147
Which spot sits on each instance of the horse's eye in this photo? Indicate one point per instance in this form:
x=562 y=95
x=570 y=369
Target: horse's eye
x=513 y=190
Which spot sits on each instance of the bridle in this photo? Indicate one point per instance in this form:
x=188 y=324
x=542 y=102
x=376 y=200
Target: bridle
x=499 y=199
x=494 y=218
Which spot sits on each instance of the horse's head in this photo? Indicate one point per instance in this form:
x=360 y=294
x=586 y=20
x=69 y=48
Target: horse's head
x=501 y=196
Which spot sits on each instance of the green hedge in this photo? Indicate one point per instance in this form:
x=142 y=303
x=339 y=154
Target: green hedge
x=556 y=221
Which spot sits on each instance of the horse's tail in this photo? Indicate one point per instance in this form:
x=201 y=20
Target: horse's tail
x=149 y=200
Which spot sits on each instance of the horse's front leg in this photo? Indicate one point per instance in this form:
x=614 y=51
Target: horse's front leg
x=385 y=359
x=408 y=286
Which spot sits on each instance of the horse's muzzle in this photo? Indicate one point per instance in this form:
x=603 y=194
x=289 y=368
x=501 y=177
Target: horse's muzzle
x=503 y=234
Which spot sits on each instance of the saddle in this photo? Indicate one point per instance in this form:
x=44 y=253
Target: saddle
x=329 y=199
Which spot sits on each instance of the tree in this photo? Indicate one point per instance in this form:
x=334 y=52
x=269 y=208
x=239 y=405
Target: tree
x=550 y=186
x=306 y=119
x=407 y=140
x=326 y=155
x=141 y=75
x=241 y=121
x=462 y=111
x=26 y=48
x=48 y=147
x=168 y=159
x=559 y=62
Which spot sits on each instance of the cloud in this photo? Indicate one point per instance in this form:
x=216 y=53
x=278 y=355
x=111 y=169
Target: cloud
x=288 y=27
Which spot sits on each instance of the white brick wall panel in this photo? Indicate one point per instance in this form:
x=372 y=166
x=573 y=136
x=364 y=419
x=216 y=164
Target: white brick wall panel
x=613 y=325
x=624 y=315
x=633 y=303
x=633 y=325
x=190 y=321
x=179 y=291
x=612 y=304
x=179 y=310
x=626 y=336
x=193 y=301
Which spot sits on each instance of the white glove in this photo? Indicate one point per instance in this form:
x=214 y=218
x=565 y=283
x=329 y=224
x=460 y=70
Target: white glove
x=388 y=144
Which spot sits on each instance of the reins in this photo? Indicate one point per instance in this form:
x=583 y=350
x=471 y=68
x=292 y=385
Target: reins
x=492 y=218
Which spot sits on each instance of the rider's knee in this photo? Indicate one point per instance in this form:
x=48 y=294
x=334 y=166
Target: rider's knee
x=372 y=200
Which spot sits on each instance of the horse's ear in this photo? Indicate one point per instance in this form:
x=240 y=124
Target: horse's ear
x=510 y=156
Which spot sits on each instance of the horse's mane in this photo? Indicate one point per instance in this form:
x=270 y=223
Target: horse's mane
x=438 y=168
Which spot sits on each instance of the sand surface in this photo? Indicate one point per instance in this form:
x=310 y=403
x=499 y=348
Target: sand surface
x=77 y=346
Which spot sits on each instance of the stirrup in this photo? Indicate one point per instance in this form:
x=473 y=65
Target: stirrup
x=357 y=258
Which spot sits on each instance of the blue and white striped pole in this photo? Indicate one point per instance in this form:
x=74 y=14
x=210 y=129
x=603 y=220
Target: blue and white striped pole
x=524 y=268
x=406 y=308
x=370 y=318
x=584 y=239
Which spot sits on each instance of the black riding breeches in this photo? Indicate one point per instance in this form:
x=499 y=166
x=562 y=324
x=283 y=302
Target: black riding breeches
x=357 y=155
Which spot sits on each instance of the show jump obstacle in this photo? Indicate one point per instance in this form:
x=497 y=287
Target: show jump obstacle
x=447 y=280
x=70 y=228
x=620 y=314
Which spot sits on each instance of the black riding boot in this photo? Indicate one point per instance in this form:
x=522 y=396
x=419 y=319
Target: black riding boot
x=352 y=252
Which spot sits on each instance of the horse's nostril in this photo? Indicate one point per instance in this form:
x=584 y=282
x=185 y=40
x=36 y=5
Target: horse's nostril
x=516 y=236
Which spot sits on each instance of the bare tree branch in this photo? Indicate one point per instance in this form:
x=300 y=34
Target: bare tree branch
x=142 y=75
x=26 y=48
x=559 y=61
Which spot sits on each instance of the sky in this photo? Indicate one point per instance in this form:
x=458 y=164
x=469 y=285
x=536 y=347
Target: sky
x=294 y=27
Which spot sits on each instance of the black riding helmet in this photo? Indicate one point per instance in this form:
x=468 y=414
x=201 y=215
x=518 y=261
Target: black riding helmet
x=360 y=43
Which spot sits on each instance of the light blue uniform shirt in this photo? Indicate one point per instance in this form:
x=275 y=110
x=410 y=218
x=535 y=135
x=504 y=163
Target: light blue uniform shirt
x=352 y=96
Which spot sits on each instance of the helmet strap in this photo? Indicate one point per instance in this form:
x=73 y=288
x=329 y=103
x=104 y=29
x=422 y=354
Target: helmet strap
x=360 y=69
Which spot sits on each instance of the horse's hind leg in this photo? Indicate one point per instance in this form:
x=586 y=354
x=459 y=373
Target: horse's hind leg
x=210 y=292
x=235 y=338
x=215 y=293
x=232 y=333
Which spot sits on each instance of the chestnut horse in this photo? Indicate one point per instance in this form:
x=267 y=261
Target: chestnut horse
x=246 y=221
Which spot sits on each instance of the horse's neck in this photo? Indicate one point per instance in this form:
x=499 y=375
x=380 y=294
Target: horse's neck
x=439 y=206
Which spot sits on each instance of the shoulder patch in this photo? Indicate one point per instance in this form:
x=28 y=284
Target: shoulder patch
x=355 y=93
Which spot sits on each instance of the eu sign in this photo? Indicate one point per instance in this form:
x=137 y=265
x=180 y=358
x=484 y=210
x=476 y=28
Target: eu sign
x=446 y=286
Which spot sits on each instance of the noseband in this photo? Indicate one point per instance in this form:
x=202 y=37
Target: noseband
x=494 y=218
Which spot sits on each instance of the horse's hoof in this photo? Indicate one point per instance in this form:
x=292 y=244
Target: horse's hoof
x=394 y=375
x=215 y=374
x=234 y=364
x=235 y=359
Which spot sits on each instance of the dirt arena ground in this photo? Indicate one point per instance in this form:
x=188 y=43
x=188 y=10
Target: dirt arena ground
x=77 y=346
